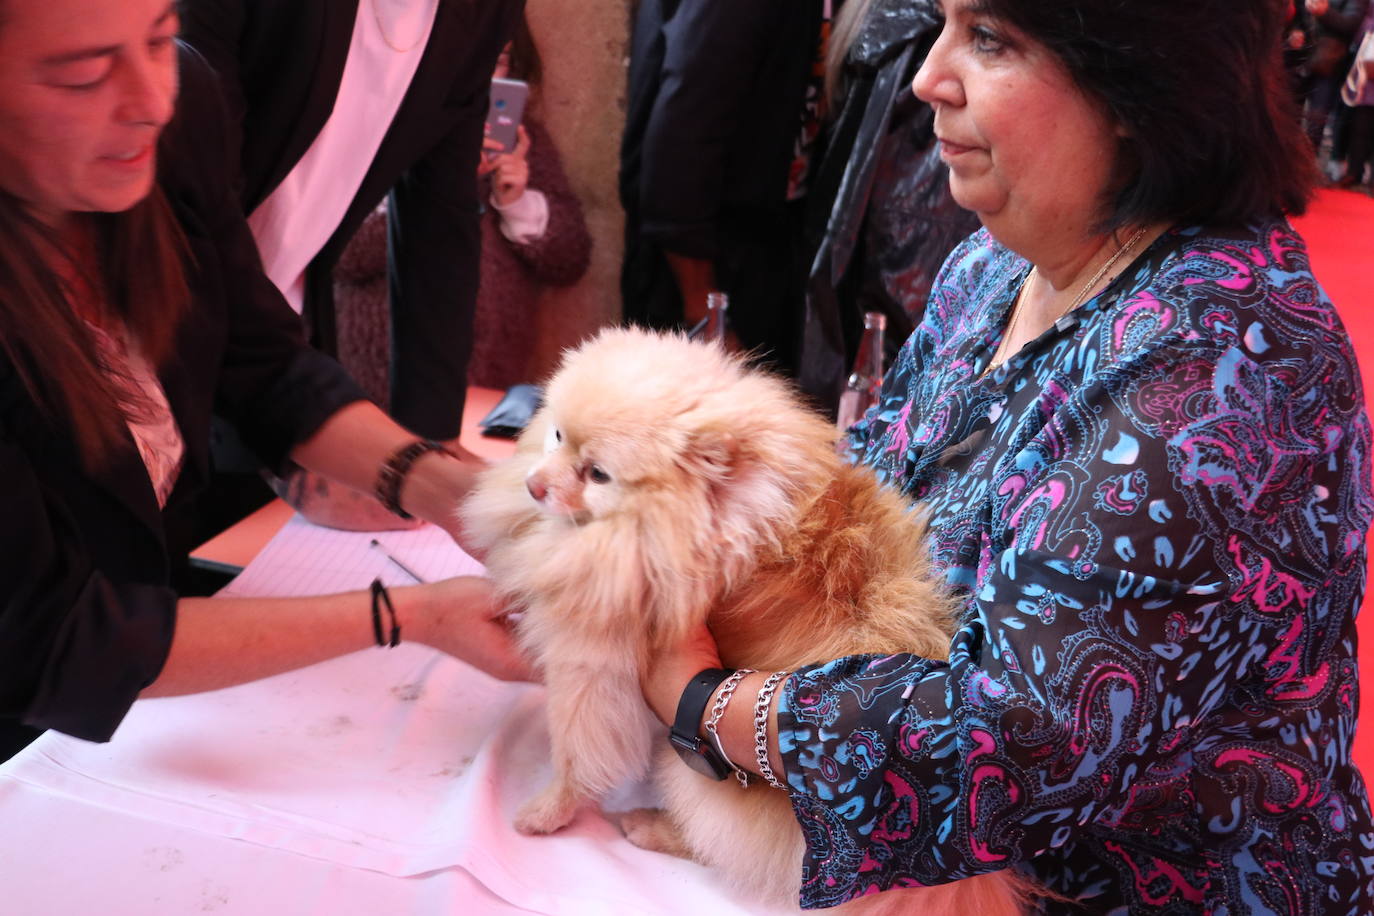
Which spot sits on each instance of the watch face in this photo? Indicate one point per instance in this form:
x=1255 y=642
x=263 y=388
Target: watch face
x=700 y=756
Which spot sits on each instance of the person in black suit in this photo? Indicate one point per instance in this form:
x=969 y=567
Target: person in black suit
x=282 y=66
x=712 y=165
x=132 y=303
x=337 y=104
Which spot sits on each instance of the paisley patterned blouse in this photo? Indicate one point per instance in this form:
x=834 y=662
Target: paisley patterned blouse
x=1157 y=511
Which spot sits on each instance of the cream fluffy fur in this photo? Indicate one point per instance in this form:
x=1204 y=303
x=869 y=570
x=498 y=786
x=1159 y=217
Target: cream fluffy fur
x=663 y=484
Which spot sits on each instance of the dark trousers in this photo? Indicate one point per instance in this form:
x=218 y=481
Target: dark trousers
x=1360 y=151
x=1322 y=95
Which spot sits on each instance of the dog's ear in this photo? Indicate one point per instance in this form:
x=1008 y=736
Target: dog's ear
x=714 y=453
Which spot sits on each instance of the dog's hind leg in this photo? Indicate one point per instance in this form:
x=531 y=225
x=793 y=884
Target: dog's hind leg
x=654 y=830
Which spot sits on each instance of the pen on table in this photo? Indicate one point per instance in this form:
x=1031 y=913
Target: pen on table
x=404 y=568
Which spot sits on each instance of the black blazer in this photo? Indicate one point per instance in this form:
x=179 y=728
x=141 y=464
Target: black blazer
x=714 y=110
x=281 y=64
x=86 y=608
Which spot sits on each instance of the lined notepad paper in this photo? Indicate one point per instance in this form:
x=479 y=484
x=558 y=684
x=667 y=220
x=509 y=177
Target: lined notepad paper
x=306 y=559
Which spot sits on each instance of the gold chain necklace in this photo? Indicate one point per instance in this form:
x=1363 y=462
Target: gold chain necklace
x=386 y=39
x=1101 y=271
x=1077 y=300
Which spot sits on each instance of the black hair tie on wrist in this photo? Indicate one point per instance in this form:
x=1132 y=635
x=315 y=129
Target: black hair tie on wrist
x=380 y=597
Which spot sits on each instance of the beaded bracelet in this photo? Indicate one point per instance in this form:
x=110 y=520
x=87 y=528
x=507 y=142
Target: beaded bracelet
x=762 y=706
x=393 y=473
x=727 y=690
x=380 y=596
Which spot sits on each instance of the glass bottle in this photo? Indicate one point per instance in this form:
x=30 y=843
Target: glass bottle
x=717 y=303
x=861 y=390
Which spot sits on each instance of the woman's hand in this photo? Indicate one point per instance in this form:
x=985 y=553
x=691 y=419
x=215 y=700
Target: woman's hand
x=510 y=172
x=666 y=675
x=668 y=671
x=463 y=617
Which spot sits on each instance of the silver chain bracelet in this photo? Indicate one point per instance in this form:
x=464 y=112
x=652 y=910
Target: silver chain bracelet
x=762 y=706
x=727 y=690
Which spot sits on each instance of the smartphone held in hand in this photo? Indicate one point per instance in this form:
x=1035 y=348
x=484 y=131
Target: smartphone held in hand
x=506 y=109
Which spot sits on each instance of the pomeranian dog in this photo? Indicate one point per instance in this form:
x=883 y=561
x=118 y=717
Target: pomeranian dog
x=663 y=484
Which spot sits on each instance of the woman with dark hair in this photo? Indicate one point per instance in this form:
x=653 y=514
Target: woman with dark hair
x=1137 y=428
x=131 y=301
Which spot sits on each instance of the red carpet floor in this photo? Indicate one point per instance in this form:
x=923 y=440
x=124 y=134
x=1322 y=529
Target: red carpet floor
x=1339 y=230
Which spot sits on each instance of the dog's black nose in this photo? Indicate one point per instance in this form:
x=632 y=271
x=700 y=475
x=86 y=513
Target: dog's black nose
x=536 y=487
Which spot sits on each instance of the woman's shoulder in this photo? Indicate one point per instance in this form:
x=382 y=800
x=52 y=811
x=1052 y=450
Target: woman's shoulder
x=1259 y=265
x=1245 y=289
x=1255 y=238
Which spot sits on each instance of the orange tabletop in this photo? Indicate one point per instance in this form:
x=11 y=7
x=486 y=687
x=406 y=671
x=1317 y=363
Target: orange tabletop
x=240 y=542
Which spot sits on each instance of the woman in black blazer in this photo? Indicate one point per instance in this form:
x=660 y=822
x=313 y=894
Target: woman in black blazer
x=107 y=220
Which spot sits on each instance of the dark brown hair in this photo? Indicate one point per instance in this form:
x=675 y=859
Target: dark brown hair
x=1213 y=134
x=140 y=269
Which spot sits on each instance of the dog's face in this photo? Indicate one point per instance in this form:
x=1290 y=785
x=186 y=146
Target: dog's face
x=670 y=435
x=593 y=468
x=617 y=433
x=659 y=468
x=580 y=478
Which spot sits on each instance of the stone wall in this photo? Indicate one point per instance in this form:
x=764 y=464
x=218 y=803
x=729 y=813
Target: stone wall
x=583 y=46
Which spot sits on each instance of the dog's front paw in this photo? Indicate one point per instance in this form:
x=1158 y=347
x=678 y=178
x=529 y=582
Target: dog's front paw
x=651 y=829
x=549 y=811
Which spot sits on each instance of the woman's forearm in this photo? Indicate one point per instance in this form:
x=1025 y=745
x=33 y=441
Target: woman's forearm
x=738 y=731
x=668 y=676
x=351 y=446
x=220 y=642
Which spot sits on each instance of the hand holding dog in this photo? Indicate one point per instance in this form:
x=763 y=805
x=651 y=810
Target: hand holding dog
x=666 y=675
x=464 y=618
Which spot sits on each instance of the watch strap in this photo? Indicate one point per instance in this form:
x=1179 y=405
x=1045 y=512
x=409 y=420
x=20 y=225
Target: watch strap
x=695 y=698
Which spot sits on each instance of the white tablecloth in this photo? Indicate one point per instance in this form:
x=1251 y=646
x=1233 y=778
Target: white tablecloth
x=380 y=782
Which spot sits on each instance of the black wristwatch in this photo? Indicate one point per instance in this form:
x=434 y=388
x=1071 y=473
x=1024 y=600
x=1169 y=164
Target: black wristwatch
x=695 y=751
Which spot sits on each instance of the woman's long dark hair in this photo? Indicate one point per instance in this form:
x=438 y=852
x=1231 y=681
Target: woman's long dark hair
x=141 y=271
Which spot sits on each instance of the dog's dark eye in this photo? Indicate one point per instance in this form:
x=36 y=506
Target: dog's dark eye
x=557 y=436
x=597 y=475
